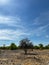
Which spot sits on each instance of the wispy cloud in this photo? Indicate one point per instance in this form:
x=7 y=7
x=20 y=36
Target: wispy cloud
x=41 y=30
x=41 y=24
x=6 y=34
x=21 y=28
x=4 y=2
x=42 y=19
x=11 y=34
x=11 y=21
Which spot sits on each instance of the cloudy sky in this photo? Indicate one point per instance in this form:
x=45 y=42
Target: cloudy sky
x=24 y=19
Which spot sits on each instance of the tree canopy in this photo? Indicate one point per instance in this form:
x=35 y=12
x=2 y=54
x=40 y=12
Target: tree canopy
x=26 y=44
x=13 y=46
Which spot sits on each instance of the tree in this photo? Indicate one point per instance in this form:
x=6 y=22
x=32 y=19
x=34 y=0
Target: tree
x=25 y=44
x=47 y=46
x=4 y=47
x=30 y=46
x=41 y=46
x=13 y=46
x=36 y=47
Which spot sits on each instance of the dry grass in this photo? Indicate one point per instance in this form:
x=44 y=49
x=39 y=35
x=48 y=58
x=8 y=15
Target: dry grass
x=36 y=57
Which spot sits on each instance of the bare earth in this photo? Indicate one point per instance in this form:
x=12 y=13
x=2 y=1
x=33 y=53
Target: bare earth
x=17 y=57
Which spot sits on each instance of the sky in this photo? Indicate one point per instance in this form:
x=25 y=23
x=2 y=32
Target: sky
x=24 y=19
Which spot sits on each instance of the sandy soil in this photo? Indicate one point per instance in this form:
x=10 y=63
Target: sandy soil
x=17 y=57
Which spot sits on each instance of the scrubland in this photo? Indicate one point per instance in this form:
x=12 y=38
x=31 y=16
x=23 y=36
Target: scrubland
x=17 y=57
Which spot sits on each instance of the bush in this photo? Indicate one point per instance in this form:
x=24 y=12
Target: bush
x=13 y=46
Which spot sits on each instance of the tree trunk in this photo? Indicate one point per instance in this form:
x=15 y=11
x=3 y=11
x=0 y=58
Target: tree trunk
x=25 y=51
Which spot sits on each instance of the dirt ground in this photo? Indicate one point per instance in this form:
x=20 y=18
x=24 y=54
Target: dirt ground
x=17 y=57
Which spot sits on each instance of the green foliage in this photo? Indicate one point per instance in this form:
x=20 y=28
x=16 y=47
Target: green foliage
x=36 y=47
x=13 y=46
x=24 y=44
x=41 y=46
x=47 y=46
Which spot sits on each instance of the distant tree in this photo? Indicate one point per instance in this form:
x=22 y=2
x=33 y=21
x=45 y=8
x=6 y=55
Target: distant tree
x=30 y=46
x=41 y=46
x=36 y=47
x=4 y=47
x=47 y=46
x=13 y=46
x=0 y=50
x=25 y=44
x=7 y=47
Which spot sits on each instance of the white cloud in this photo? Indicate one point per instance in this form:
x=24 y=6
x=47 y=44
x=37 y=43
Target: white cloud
x=4 y=20
x=10 y=21
x=40 y=30
x=6 y=34
x=41 y=24
x=11 y=34
x=22 y=30
x=42 y=19
x=4 y=2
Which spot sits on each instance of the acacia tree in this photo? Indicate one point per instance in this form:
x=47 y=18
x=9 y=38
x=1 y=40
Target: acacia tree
x=25 y=44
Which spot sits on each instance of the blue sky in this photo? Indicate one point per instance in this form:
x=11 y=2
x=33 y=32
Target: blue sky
x=24 y=19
